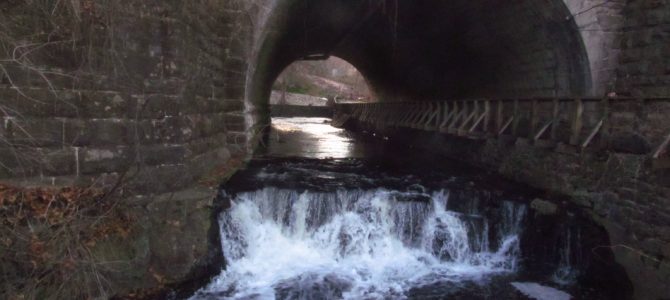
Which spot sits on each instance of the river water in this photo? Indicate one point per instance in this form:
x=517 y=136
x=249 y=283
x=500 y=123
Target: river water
x=323 y=214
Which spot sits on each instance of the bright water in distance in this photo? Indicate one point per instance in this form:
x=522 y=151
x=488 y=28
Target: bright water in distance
x=320 y=214
x=310 y=138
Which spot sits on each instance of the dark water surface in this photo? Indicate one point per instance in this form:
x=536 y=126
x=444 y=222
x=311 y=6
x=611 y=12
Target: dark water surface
x=323 y=214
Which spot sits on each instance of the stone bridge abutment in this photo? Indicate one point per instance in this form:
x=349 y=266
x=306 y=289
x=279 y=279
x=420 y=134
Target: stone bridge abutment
x=609 y=156
x=162 y=100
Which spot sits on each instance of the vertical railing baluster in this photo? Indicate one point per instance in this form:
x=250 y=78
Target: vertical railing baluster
x=534 y=118
x=577 y=121
x=487 y=116
x=499 y=116
x=605 y=131
x=454 y=111
x=440 y=116
x=515 y=123
x=555 y=115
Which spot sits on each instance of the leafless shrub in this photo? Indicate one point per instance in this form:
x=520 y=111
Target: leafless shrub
x=47 y=241
x=47 y=234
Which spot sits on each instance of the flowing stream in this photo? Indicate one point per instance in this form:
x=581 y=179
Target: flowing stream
x=351 y=228
x=356 y=244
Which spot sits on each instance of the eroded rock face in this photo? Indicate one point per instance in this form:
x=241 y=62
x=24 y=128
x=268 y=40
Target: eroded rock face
x=544 y=207
x=624 y=200
x=620 y=194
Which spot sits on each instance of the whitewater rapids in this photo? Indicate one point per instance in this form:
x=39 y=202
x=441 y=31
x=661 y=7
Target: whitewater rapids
x=354 y=244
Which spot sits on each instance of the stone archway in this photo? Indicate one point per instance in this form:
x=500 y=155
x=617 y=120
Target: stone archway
x=423 y=50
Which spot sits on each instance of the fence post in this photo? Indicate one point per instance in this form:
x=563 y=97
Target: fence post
x=447 y=114
x=515 y=123
x=555 y=115
x=499 y=116
x=534 y=118
x=605 y=131
x=487 y=116
x=577 y=122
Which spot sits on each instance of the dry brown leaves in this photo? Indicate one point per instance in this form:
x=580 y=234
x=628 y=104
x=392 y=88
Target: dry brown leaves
x=58 y=207
x=52 y=205
x=46 y=236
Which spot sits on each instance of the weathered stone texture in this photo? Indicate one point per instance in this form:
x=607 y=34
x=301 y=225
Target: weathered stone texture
x=544 y=59
x=644 y=68
x=160 y=93
x=180 y=80
x=600 y=25
x=169 y=242
x=152 y=104
x=619 y=190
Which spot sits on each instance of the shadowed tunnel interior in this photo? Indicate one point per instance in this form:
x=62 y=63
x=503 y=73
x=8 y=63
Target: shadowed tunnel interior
x=429 y=49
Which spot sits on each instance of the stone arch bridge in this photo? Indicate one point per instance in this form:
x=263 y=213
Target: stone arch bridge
x=167 y=96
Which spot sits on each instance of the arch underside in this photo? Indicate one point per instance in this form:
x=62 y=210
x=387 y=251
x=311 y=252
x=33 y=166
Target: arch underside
x=428 y=49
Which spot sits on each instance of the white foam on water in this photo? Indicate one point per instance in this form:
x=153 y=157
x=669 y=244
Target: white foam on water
x=352 y=244
x=540 y=292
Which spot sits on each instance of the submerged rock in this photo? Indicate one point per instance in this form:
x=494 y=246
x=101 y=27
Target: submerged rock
x=540 y=292
x=544 y=207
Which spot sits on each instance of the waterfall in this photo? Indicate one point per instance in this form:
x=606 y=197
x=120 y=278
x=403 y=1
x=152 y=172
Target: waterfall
x=282 y=243
x=566 y=273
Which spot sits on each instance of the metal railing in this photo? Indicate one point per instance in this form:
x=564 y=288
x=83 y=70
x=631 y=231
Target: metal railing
x=575 y=122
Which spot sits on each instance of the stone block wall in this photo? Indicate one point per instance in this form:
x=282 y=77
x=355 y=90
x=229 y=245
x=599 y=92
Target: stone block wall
x=546 y=64
x=644 y=66
x=600 y=25
x=75 y=136
x=619 y=190
x=158 y=108
x=537 y=47
x=147 y=97
x=156 y=93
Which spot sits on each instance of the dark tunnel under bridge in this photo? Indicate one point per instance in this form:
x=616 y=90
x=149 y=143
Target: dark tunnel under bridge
x=430 y=50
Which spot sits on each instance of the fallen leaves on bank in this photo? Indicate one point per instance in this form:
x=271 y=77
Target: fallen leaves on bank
x=223 y=172
x=46 y=241
x=55 y=206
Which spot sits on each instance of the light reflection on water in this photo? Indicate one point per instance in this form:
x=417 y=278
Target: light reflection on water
x=309 y=137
